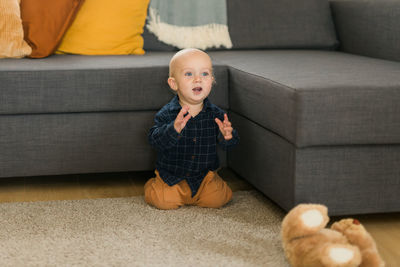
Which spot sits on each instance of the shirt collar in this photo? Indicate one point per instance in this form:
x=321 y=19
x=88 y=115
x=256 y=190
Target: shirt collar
x=176 y=106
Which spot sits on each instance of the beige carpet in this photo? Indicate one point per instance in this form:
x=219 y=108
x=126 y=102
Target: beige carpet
x=128 y=232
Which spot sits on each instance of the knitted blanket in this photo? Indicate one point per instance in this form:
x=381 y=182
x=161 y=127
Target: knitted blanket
x=190 y=23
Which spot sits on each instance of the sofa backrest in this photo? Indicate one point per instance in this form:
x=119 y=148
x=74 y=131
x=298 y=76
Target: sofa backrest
x=272 y=24
x=368 y=27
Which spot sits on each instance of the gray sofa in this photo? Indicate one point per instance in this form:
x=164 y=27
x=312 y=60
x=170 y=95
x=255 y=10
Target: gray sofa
x=313 y=88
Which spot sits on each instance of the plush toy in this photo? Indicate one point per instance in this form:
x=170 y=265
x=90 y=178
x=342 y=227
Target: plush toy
x=308 y=243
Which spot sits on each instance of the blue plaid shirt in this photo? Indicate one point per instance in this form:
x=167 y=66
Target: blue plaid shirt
x=193 y=152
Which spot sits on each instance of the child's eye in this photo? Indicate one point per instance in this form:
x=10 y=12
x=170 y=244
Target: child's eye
x=205 y=74
x=188 y=74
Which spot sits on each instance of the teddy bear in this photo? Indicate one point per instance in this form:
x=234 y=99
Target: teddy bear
x=308 y=243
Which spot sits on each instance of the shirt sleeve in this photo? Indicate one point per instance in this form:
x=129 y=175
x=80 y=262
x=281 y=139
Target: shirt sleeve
x=162 y=135
x=228 y=144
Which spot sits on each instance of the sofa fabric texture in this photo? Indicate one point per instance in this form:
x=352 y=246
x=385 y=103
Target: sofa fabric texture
x=71 y=83
x=281 y=24
x=348 y=179
x=313 y=97
x=65 y=143
x=369 y=28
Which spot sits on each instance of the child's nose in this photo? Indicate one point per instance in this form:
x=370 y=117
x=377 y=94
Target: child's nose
x=197 y=78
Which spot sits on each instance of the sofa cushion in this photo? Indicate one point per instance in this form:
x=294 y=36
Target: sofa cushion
x=54 y=144
x=271 y=24
x=151 y=42
x=72 y=83
x=281 y=24
x=12 y=42
x=316 y=98
x=369 y=28
x=103 y=27
x=45 y=23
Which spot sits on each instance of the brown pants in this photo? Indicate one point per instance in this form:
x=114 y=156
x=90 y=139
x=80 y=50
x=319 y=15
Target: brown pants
x=213 y=193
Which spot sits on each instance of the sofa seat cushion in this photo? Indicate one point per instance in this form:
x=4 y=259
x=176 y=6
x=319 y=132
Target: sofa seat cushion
x=314 y=98
x=76 y=83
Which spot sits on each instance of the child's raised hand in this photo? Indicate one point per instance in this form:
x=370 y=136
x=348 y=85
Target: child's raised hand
x=225 y=127
x=181 y=119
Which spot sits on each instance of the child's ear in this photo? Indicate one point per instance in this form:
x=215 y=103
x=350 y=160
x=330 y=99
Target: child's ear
x=172 y=83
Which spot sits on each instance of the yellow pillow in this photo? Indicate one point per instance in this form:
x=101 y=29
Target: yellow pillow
x=12 y=42
x=107 y=27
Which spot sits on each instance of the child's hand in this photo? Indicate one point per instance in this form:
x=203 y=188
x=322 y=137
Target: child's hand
x=181 y=119
x=225 y=127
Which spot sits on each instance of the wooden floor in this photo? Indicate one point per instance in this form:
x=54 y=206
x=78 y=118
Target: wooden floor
x=385 y=228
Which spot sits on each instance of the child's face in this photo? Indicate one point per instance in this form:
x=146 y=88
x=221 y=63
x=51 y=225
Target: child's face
x=192 y=77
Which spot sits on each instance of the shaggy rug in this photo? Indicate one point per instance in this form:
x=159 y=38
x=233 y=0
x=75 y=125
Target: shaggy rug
x=128 y=232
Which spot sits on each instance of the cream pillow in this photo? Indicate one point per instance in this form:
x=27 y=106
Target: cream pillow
x=12 y=42
x=104 y=27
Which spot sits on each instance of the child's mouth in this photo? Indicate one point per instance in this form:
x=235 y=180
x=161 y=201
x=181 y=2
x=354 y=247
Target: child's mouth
x=197 y=90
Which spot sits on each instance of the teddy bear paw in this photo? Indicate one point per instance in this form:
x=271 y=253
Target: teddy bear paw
x=342 y=255
x=312 y=218
x=303 y=220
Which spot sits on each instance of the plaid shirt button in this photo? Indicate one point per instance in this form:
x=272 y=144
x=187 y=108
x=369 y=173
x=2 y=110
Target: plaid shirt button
x=193 y=157
x=194 y=139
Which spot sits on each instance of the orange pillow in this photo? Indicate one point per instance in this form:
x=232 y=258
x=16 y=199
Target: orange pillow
x=12 y=42
x=107 y=27
x=45 y=22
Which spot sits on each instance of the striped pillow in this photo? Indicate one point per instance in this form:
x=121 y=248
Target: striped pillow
x=12 y=42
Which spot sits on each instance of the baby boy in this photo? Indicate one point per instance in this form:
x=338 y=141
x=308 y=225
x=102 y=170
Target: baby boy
x=185 y=135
